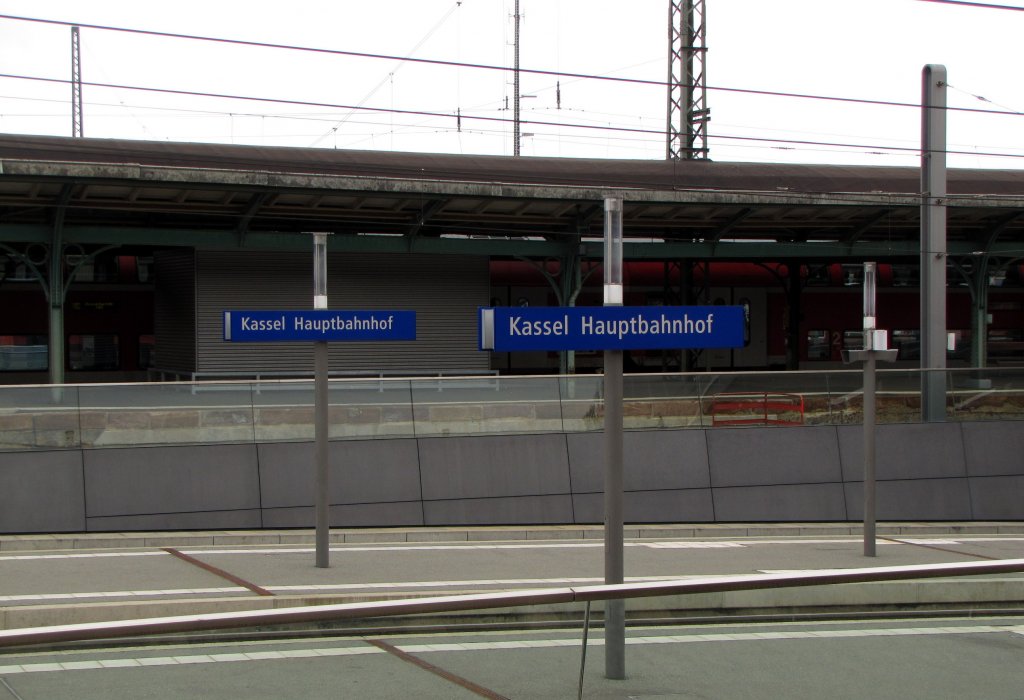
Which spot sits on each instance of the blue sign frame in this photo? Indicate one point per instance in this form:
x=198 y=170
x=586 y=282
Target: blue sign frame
x=509 y=329
x=318 y=325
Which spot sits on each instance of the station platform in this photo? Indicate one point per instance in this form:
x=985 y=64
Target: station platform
x=56 y=579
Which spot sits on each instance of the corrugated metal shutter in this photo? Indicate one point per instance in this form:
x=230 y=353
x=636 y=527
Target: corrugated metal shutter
x=174 y=309
x=444 y=291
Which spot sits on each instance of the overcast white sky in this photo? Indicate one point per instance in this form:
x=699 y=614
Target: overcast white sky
x=868 y=49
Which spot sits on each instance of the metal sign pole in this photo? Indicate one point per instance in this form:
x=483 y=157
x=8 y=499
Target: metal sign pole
x=320 y=401
x=615 y=610
x=869 y=454
x=869 y=343
x=876 y=347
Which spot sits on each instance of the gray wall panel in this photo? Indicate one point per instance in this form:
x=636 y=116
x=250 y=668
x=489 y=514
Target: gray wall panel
x=652 y=459
x=906 y=451
x=524 y=510
x=688 y=506
x=361 y=471
x=408 y=514
x=138 y=481
x=207 y=520
x=780 y=503
x=41 y=492
x=493 y=466
x=997 y=498
x=994 y=448
x=916 y=499
x=750 y=456
x=517 y=479
x=362 y=515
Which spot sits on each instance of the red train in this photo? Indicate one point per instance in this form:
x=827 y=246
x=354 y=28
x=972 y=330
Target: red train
x=109 y=315
x=830 y=311
x=108 y=321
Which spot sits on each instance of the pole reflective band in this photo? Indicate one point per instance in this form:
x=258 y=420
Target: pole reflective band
x=486 y=329
x=319 y=270
x=613 y=251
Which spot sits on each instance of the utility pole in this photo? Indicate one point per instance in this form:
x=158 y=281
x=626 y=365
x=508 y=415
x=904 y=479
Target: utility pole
x=688 y=113
x=76 y=84
x=933 y=244
x=515 y=80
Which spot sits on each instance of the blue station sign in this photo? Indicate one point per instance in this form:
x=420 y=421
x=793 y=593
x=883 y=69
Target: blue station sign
x=318 y=325
x=509 y=328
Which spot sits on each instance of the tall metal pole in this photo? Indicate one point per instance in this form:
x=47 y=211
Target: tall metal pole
x=515 y=80
x=933 y=244
x=77 y=130
x=688 y=113
x=870 y=346
x=320 y=402
x=876 y=347
x=869 y=454
x=615 y=610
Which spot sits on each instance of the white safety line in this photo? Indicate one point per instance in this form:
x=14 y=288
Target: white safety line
x=143 y=661
x=86 y=595
x=85 y=555
x=477 y=546
x=323 y=652
x=688 y=545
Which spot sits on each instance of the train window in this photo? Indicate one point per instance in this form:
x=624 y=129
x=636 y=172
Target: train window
x=144 y=268
x=818 y=276
x=1005 y=343
x=745 y=303
x=853 y=275
x=961 y=346
x=92 y=268
x=147 y=344
x=23 y=353
x=818 y=347
x=908 y=343
x=14 y=269
x=853 y=340
x=906 y=276
x=93 y=352
x=1005 y=335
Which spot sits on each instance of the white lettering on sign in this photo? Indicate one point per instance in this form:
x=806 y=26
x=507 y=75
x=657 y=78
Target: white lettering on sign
x=340 y=323
x=262 y=324
x=590 y=325
x=637 y=325
x=518 y=327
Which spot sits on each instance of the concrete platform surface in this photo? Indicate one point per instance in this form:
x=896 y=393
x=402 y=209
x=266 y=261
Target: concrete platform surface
x=53 y=579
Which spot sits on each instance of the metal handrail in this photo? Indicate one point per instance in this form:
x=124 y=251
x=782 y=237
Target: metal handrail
x=484 y=601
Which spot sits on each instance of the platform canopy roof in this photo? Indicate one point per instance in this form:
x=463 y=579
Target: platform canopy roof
x=215 y=196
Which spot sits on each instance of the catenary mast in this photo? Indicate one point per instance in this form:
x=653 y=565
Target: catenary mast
x=688 y=113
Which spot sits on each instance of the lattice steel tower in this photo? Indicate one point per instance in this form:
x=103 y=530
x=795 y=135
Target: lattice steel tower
x=76 y=84
x=688 y=113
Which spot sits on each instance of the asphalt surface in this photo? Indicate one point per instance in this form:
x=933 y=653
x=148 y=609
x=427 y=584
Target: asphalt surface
x=68 y=579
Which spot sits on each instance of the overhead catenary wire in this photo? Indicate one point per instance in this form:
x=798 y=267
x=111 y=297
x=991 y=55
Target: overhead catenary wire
x=978 y=5
x=484 y=66
x=432 y=127
x=606 y=128
x=491 y=119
